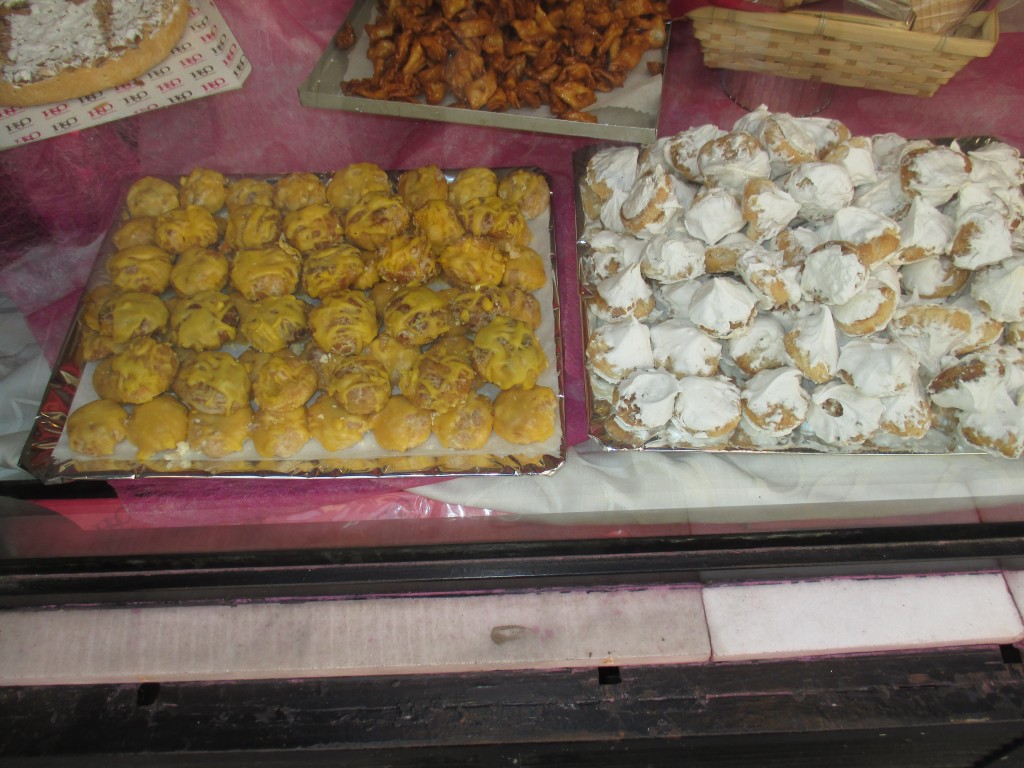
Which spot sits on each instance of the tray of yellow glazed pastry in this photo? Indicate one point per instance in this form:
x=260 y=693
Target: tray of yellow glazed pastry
x=359 y=323
x=782 y=285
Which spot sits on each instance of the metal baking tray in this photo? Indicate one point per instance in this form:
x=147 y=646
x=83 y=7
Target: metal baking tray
x=47 y=455
x=629 y=113
x=597 y=391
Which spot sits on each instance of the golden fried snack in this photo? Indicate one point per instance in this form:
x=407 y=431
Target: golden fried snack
x=371 y=271
x=407 y=259
x=473 y=262
x=523 y=306
x=333 y=427
x=470 y=184
x=96 y=346
x=206 y=320
x=132 y=313
x=381 y=295
x=395 y=356
x=492 y=216
x=524 y=268
x=203 y=187
x=218 y=435
x=312 y=227
x=213 y=382
x=138 y=231
x=249 y=191
x=376 y=218
x=96 y=428
x=279 y=434
x=467 y=427
x=252 y=225
x=144 y=369
x=297 y=190
x=274 y=323
x=355 y=180
x=93 y=301
x=473 y=309
x=526 y=189
x=264 y=272
x=199 y=269
x=144 y=268
x=359 y=384
x=344 y=323
x=417 y=316
x=508 y=354
x=524 y=416
x=438 y=382
x=282 y=382
x=419 y=186
x=333 y=269
x=158 y=425
x=183 y=228
x=401 y=426
x=150 y=196
x=439 y=223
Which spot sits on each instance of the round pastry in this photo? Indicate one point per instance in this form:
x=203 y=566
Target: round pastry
x=472 y=310
x=855 y=156
x=407 y=259
x=182 y=228
x=203 y=187
x=723 y=307
x=331 y=270
x=935 y=173
x=874 y=236
x=96 y=346
x=401 y=426
x=877 y=367
x=395 y=356
x=359 y=384
x=839 y=414
x=981 y=238
x=419 y=186
x=93 y=301
x=158 y=425
x=279 y=434
x=706 y=408
x=283 y=382
x=873 y=307
x=248 y=191
x=371 y=272
x=761 y=348
x=467 y=427
x=813 y=345
x=774 y=400
x=624 y=293
x=885 y=196
x=683 y=149
x=213 y=382
x=766 y=209
x=764 y=272
x=126 y=315
x=207 y=320
x=252 y=225
x=199 y=269
x=985 y=330
x=217 y=436
x=787 y=140
x=721 y=258
x=471 y=183
x=998 y=428
x=375 y=219
x=438 y=381
x=144 y=268
x=968 y=383
x=645 y=399
x=312 y=227
x=713 y=214
x=473 y=262
x=821 y=189
x=999 y=290
x=417 y=316
x=274 y=323
x=150 y=197
x=439 y=222
x=677 y=296
x=524 y=267
x=731 y=160
x=651 y=203
x=333 y=427
x=53 y=53
x=833 y=273
x=609 y=170
x=508 y=354
x=344 y=323
x=933 y=278
x=930 y=331
x=97 y=427
x=925 y=232
x=137 y=231
x=909 y=413
x=265 y=272
x=144 y=369
x=682 y=349
x=612 y=252
x=620 y=347
x=493 y=216
x=297 y=190
x=522 y=306
x=353 y=181
x=671 y=257
x=524 y=416
x=526 y=189
x=795 y=243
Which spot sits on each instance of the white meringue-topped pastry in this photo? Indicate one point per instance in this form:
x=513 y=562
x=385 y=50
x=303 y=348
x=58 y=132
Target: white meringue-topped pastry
x=908 y=413
x=733 y=159
x=997 y=428
x=833 y=273
x=612 y=252
x=884 y=195
x=968 y=383
x=935 y=173
x=820 y=188
x=676 y=297
x=795 y=243
x=925 y=232
x=672 y=257
x=813 y=344
x=723 y=307
x=682 y=150
x=706 y=407
x=646 y=398
x=875 y=236
x=683 y=349
x=933 y=278
x=877 y=367
x=760 y=348
x=764 y=272
x=713 y=214
x=840 y=414
x=650 y=204
x=610 y=169
x=871 y=308
x=997 y=164
x=775 y=401
x=985 y=331
x=999 y=290
x=981 y=238
x=620 y=347
x=930 y=331
x=855 y=156
x=623 y=293
x=767 y=209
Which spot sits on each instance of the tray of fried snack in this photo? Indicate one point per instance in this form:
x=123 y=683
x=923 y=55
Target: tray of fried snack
x=781 y=285
x=570 y=68
x=355 y=324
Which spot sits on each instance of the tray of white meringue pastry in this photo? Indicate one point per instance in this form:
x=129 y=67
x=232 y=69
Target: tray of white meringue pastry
x=784 y=285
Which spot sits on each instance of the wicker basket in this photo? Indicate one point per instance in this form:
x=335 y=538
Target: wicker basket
x=843 y=49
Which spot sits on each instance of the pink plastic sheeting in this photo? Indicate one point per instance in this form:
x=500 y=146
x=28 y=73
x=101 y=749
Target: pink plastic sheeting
x=57 y=196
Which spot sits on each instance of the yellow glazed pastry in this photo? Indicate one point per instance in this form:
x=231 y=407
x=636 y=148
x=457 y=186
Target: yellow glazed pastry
x=467 y=427
x=333 y=427
x=248 y=191
x=283 y=382
x=495 y=217
x=416 y=316
x=526 y=189
x=407 y=259
x=204 y=187
x=376 y=218
x=207 y=320
x=360 y=385
x=140 y=268
x=138 y=231
x=475 y=309
x=331 y=270
x=218 y=435
x=158 y=425
x=199 y=269
x=401 y=426
x=439 y=382
x=213 y=382
x=297 y=190
x=470 y=184
x=507 y=353
x=132 y=313
x=395 y=356
x=312 y=227
x=265 y=272
x=525 y=415
x=274 y=323
x=421 y=185
x=96 y=428
x=279 y=434
x=252 y=225
x=473 y=262
x=182 y=228
x=439 y=223
x=344 y=323
x=353 y=181
x=524 y=268
x=143 y=370
x=150 y=196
